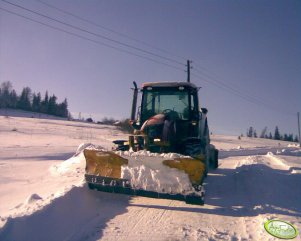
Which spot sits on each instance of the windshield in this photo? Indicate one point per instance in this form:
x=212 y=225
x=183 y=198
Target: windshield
x=161 y=100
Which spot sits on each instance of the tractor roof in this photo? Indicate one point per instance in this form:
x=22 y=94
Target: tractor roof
x=168 y=84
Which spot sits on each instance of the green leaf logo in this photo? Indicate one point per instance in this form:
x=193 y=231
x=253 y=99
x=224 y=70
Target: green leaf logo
x=280 y=229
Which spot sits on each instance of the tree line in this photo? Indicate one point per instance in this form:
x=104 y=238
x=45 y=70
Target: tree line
x=31 y=101
x=251 y=132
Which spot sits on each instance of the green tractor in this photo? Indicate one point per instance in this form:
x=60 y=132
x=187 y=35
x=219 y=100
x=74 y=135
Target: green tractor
x=168 y=120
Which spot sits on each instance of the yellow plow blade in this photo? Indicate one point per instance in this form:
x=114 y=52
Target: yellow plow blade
x=104 y=173
x=104 y=163
x=193 y=167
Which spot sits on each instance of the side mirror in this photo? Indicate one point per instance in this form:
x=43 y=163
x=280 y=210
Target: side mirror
x=204 y=110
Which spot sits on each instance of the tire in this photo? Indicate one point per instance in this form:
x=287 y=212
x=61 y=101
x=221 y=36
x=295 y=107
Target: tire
x=91 y=186
x=215 y=159
x=207 y=160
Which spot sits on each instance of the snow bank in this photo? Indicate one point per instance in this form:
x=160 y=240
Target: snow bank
x=84 y=146
x=250 y=160
x=75 y=164
x=296 y=145
x=289 y=152
x=273 y=161
x=76 y=215
x=65 y=175
x=33 y=198
x=278 y=161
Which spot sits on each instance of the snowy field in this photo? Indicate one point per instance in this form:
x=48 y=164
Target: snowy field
x=43 y=195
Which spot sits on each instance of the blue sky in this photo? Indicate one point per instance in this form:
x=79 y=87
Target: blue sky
x=246 y=55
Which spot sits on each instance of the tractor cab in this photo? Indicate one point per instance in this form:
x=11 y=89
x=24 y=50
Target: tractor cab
x=169 y=116
x=179 y=101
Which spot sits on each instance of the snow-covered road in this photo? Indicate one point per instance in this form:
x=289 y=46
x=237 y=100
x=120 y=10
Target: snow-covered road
x=45 y=198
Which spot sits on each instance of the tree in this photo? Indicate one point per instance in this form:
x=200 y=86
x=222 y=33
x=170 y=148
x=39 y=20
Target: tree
x=270 y=135
x=277 y=134
x=255 y=134
x=296 y=139
x=31 y=102
x=13 y=99
x=36 y=102
x=263 y=133
x=44 y=104
x=89 y=120
x=285 y=137
x=62 y=109
x=64 y=106
x=52 y=106
x=250 y=132
x=24 y=101
x=108 y=121
x=6 y=88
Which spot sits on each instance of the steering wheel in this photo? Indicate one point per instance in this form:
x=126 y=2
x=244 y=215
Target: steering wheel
x=171 y=114
x=167 y=111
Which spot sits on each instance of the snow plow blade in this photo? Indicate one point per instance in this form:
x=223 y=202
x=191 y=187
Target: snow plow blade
x=103 y=173
x=111 y=185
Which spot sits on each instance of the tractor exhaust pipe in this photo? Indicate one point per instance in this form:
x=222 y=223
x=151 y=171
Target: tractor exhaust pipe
x=134 y=103
x=188 y=70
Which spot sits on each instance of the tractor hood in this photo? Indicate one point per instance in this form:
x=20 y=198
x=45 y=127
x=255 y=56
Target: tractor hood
x=154 y=120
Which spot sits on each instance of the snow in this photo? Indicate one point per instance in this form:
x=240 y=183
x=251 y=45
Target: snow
x=43 y=195
x=28 y=114
x=33 y=198
x=146 y=171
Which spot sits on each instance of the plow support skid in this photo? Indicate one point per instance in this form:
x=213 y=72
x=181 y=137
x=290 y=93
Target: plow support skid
x=105 y=184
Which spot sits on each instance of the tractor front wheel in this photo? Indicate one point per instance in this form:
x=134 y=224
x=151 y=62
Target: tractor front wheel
x=214 y=158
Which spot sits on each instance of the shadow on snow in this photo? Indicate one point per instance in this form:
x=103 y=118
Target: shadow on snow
x=81 y=214
x=248 y=191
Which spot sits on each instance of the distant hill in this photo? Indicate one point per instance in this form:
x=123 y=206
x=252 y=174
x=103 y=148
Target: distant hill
x=27 y=114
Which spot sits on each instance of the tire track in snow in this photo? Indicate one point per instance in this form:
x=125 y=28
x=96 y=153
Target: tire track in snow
x=164 y=212
x=144 y=223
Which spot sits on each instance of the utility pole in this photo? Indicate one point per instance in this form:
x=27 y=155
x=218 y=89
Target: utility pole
x=188 y=70
x=299 y=127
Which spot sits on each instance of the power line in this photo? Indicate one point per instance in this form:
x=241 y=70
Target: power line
x=249 y=94
x=91 y=40
x=95 y=34
x=208 y=79
x=227 y=87
x=238 y=93
x=214 y=79
x=203 y=69
x=110 y=30
x=224 y=88
x=214 y=76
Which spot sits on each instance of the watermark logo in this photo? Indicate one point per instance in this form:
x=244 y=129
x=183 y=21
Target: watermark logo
x=280 y=229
